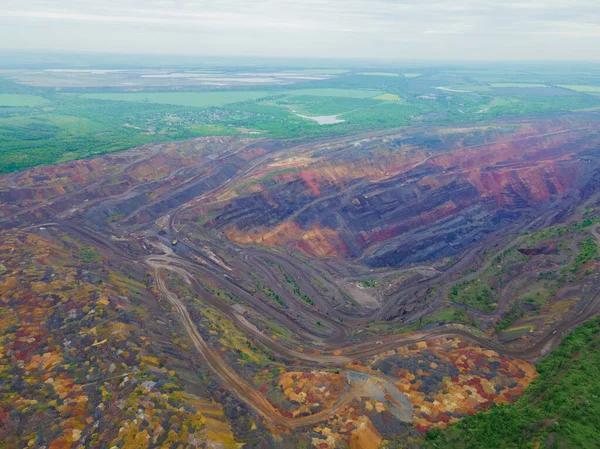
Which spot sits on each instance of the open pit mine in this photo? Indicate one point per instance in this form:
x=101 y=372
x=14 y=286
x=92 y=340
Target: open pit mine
x=356 y=291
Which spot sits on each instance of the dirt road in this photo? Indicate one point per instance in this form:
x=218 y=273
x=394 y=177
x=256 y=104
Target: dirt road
x=271 y=414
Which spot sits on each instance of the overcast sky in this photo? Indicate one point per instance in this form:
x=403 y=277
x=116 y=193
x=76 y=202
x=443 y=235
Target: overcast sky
x=382 y=29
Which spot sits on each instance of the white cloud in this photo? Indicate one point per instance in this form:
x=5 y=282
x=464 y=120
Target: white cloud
x=467 y=29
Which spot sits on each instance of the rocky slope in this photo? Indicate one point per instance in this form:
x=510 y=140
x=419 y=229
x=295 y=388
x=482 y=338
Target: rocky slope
x=225 y=291
x=401 y=199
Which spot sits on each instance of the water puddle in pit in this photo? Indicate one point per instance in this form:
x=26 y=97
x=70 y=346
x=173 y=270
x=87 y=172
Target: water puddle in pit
x=323 y=119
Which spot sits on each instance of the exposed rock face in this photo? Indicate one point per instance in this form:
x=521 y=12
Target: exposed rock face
x=384 y=200
x=395 y=200
x=549 y=249
x=365 y=437
x=136 y=186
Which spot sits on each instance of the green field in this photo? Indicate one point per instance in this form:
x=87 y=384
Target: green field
x=45 y=125
x=388 y=97
x=19 y=100
x=474 y=294
x=319 y=71
x=380 y=74
x=524 y=85
x=212 y=99
x=193 y=99
x=579 y=88
x=343 y=93
x=471 y=88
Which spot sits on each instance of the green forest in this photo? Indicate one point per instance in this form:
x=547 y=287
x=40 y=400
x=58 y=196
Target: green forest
x=561 y=409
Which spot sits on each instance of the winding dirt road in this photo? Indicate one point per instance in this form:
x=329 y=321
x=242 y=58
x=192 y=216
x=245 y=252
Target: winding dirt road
x=195 y=263
x=271 y=414
x=231 y=379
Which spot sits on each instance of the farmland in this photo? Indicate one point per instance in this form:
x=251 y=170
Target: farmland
x=334 y=93
x=192 y=99
x=585 y=89
x=19 y=100
x=51 y=116
x=530 y=85
x=380 y=74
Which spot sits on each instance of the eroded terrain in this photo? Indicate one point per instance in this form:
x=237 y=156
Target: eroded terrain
x=354 y=291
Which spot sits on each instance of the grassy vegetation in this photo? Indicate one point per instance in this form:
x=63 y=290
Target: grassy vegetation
x=380 y=74
x=333 y=92
x=568 y=249
x=27 y=141
x=316 y=106
x=41 y=125
x=212 y=130
x=513 y=315
x=295 y=287
x=319 y=71
x=21 y=100
x=475 y=293
x=275 y=297
x=561 y=409
x=193 y=99
x=371 y=283
x=388 y=97
x=77 y=128
x=554 y=232
x=588 y=250
x=524 y=85
x=525 y=104
x=114 y=218
x=446 y=315
x=471 y=88
x=579 y=88
x=88 y=255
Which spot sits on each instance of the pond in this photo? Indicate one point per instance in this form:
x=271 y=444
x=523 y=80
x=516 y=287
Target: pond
x=323 y=119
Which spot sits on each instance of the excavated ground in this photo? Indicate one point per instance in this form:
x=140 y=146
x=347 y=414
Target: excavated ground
x=326 y=238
